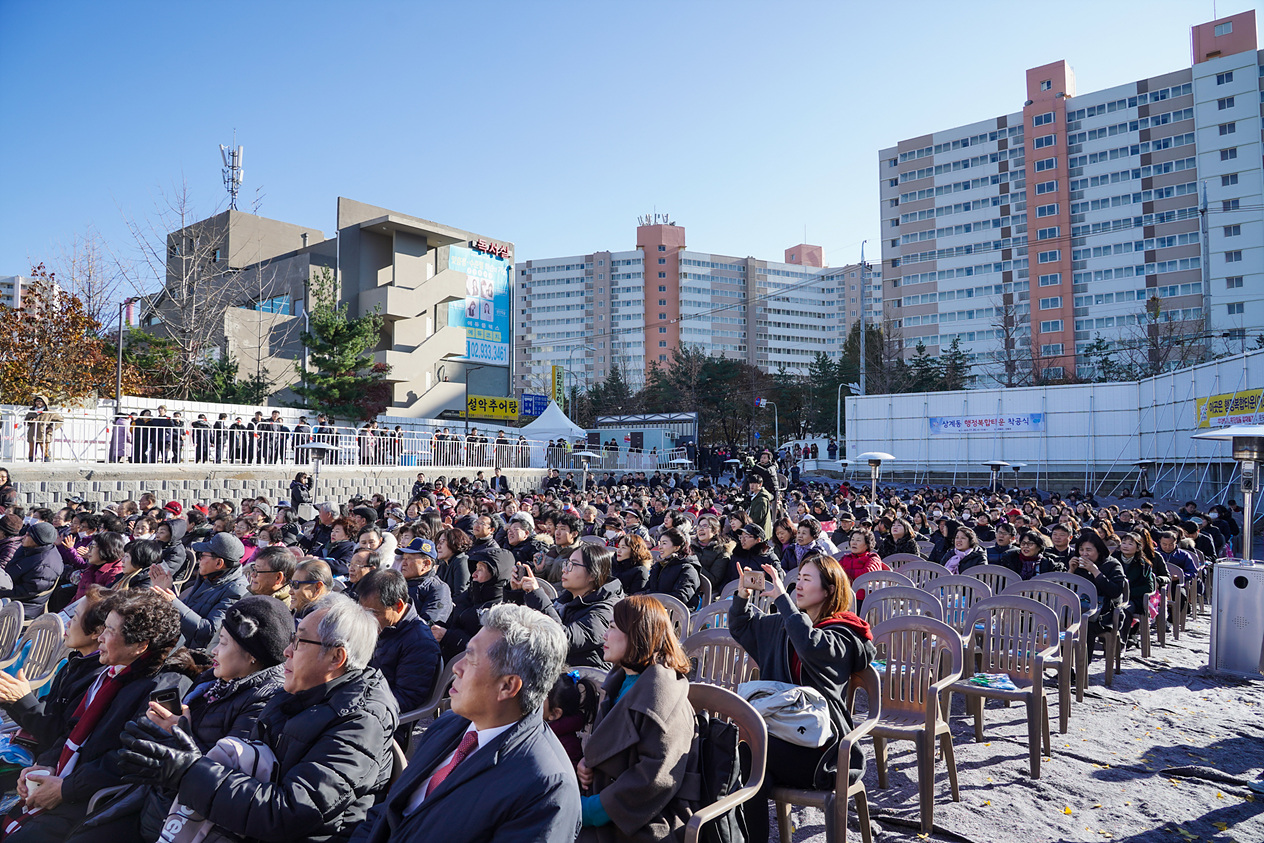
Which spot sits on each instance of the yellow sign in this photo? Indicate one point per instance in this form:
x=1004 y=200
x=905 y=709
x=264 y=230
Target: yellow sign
x=559 y=386
x=1231 y=408
x=491 y=407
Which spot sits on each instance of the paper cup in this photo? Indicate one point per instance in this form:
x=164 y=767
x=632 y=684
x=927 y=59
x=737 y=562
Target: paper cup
x=35 y=779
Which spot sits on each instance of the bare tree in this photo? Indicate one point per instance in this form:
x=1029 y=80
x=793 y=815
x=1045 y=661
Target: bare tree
x=84 y=269
x=1013 y=355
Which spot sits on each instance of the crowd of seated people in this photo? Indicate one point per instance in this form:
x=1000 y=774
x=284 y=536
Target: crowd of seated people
x=233 y=666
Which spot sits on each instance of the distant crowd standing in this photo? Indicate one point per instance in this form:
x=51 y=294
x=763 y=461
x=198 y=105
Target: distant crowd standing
x=239 y=672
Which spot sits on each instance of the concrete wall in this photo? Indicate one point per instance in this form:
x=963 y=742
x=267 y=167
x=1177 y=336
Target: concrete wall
x=50 y=484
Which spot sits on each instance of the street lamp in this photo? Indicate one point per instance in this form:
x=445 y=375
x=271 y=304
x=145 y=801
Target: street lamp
x=995 y=467
x=875 y=460
x=118 y=371
x=570 y=366
x=776 y=428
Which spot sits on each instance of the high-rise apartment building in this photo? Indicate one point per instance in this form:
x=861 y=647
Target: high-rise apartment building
x=11 y=289
x=1080 y=217
x=632 y=308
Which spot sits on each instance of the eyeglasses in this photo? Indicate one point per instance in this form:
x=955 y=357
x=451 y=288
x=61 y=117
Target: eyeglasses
x=303 y=582
x=570 y=565
x=257 y=571
x=295 y=641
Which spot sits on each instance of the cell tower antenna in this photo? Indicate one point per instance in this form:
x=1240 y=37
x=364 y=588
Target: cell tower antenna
x=234 y=175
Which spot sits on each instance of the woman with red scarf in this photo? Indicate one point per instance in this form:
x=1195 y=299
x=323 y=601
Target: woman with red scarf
x=814 y=640
x=141 y=629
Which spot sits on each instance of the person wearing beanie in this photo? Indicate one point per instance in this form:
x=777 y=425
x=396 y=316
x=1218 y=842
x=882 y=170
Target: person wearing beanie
x=34 y=570
x=225 y=701
x=174 y=508
x=10 y=538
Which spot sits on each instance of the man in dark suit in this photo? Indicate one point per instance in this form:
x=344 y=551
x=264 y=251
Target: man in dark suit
x=489 y=769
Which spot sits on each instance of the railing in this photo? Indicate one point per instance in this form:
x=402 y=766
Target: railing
x=94 y=436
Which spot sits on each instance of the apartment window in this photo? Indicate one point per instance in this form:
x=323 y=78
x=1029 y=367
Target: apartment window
x=1235 y=308
x=1046 y=210
x=662 y=261
x=1051 y=326
x=1229 y=180
x=215 y=258
x=661 y=288
x=662 y=343
x=601 y=276
x=1051 y=303
x=1053 y=349
x=1232 y=230
x=1046 y=85
x=662 y=317
x=1053 y=279
x=1224 y=78
x=1048 y=233
x=662 y=330
x=662 y=248
x=1224 y=102
x=1049 y=256
x=1046 y=187
x=1233 y=282
x=1233 y=257
x=1053 y=372
x=1228 y=128
x=601 y=262
x=1042 y=119
x=1224 y=28
x=1046 y=164
x=662 y=358
x=662 y=275
x=1230 y=204
x=662 y=302
x=1229 y=154
x=1047 y=140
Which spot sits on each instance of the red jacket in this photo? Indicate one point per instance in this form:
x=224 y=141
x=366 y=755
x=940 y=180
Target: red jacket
x=103 y=575
x=855 y=564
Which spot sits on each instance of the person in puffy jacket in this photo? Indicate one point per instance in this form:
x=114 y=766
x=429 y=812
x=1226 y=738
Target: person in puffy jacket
x=632 y=563
x=487 y=588
x=1029 y=558
x=714 y=551
x=900 y=539
x=677 y=571
x=860 y=559
x=170 y=534
x=814 y=640
x=35 y=569
x=329 y=728
x=218 y=585
x=966 y=553
x=585 y=607
x=1094 y=562
x=105 y=562
x=10 y=538
x=752 y=553
x=407 y=652
x=944 y=540
x=341 y=548
x=454 y=564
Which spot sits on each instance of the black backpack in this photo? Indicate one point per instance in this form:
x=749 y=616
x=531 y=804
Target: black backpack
x=721 y=759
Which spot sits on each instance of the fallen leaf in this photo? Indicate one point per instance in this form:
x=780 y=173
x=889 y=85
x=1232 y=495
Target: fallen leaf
x=988 y=802
x=1221 y=826
x=1067 y=810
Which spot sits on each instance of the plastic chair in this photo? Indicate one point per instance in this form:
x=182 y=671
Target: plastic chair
x=1019 y=636
x=877 y=580
x=443 y=683
x=762 y=600
x=11 y=618
x=705 y=592
x=398 y=763
x=751 y=730
x=715 y=616
x=597 y=540
x=923 y=658
x=550 y=591
x=926 y=546
x=716 y=659
x=921 y=571
x=43 y=597
x=898 y=601
x=1176 y=602
x=834 y=802
x=1086 y=589
x=678 y=612
x=45 y=634
x=958 y=594
x=997 y=577
x=1066 y=605
x=896 y=560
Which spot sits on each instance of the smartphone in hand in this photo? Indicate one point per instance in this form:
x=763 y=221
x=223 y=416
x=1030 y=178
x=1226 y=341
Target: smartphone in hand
x=753 y=581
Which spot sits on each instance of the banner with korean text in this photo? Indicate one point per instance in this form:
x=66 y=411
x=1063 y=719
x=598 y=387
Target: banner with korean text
x=1009 y=423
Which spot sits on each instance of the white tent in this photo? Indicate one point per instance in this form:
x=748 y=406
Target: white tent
x=553 y=424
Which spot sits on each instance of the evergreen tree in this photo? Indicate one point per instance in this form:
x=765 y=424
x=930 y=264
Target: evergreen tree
x=343 y=380
x=955 y=366
x=924 y=373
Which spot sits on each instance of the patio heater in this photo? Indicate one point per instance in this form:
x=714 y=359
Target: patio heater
x=1237 y=593
x=995 y=466
x=1016 y=467
x=585 y=457
x=1142 y=487
x=317 y=452
x=875 y=460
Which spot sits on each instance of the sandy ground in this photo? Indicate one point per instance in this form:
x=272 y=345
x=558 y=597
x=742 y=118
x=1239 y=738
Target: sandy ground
x=1164 y=755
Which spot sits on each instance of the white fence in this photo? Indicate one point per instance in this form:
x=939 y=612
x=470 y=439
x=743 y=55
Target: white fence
x=98 y=435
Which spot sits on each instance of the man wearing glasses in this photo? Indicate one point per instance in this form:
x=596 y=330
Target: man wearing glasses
x=313 y=579
x=271 y=571
x=330 y=731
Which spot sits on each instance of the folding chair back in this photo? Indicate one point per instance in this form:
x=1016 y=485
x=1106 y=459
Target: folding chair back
x=921 y=571
x=678 y=613
x=997 y=577
x=898 y=601
x=958 y=594
x=878 y=580
x=716 y=659
x=715 y=616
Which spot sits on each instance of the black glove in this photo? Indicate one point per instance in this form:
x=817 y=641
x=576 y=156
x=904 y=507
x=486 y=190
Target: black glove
x=153 y=757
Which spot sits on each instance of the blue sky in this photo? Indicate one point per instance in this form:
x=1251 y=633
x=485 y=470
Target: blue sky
x=549 y=124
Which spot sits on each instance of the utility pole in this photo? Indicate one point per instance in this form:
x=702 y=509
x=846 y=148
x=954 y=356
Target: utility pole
x=1206 y=261
x=864 y=326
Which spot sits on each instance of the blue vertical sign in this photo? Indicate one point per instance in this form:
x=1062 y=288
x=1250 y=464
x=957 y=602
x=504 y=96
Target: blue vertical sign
x=534 y=405
x=485 y=312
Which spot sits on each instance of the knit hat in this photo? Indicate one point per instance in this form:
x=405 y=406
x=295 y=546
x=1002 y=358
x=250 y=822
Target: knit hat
x=262 y=626
x=43 y=534
x=10 y=525
x=174 y=508
x=754 y=531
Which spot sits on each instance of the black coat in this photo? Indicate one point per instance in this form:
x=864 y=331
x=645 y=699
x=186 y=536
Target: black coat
x=677 y=575
x=828 y=654
x=456 y=573
x=34 y=570
x=332 y=745
x=1047 y=565
x=585 y=620
x=716 y=561
x=431 y=597
x=520 y=788
x=98 y=765
x=48 y=719
x=408 y=656
x=888 y=546
x=338 y=555
x=633 y=576
x=465 y=620
x=174 y=554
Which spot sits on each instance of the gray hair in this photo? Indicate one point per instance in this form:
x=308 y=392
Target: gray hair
x=347 y=625
x=532 y=647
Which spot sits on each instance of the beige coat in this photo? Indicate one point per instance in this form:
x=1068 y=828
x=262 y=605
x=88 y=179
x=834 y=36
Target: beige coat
x=639 y=752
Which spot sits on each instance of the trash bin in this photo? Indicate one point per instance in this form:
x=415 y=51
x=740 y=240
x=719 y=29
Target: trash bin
x=1237 y=619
